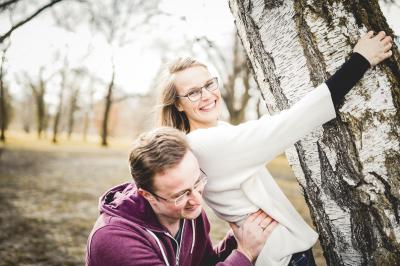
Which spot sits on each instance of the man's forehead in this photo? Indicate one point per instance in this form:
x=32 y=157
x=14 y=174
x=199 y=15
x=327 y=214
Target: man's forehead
x=172 y=184
x=178 y=178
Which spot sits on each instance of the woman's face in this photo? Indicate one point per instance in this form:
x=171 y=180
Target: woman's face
x=203 y=113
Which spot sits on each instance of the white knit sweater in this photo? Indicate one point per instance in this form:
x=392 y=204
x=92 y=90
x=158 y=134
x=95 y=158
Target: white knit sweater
x=234 y=159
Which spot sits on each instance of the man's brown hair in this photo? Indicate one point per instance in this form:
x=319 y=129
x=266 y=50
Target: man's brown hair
x=154 y=152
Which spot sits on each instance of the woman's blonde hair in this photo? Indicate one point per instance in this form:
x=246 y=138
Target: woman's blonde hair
x=168 y=113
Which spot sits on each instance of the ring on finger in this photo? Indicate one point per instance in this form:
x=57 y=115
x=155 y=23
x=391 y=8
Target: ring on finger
x=263 y=227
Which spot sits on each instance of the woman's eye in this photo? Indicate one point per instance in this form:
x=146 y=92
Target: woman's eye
x=194 y=93
x=212 y=86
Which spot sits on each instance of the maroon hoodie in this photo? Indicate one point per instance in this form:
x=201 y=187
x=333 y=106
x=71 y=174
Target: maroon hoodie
x=128 y=232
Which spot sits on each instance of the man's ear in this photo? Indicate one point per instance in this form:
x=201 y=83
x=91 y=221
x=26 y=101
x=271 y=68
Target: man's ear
x=145 y=194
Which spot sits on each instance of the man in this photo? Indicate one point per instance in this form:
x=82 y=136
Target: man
x=159 y=219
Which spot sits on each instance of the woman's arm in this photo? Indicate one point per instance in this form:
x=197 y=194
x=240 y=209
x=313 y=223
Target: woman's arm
x=229 y=150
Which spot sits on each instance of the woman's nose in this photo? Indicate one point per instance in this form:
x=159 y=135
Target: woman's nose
x=205 y=94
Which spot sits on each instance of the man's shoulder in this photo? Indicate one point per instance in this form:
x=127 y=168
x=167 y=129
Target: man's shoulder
x=113 y=239
x=110 y=227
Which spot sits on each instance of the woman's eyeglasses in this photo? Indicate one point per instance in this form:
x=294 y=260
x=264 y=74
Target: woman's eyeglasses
x=195 y=94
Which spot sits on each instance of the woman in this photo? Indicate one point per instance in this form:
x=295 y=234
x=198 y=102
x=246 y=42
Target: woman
x=234 y=157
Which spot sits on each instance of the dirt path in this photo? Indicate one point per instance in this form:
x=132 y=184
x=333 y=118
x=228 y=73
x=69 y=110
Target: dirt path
x=49 y=203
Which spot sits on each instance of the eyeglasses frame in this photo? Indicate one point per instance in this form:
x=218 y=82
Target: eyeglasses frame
x=203 y=178
x=214 y=79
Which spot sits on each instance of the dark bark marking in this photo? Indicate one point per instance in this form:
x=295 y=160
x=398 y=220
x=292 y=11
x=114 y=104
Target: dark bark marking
x=392 y=161
x=314 y=58
x=338 y=136
x=392 y=199
x=375 y=248
x=257 y=48
x=363 y=239
x=269 y=4
x=320 y=218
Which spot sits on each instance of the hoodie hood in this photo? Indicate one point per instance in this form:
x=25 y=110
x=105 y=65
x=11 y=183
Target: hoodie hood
x=124 y=202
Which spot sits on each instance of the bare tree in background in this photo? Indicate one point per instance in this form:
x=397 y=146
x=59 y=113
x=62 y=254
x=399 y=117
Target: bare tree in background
x=73 y=107
x=5 y=106
x=88 y=111
x=21 y=12
x=57 y=116
x=88 y=106
x=117 y=21
x=74 y=92
x=38 y=88
x=349 y=168
x=25 y=110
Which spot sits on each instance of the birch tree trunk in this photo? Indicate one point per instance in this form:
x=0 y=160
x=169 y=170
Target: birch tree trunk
x=348 y=168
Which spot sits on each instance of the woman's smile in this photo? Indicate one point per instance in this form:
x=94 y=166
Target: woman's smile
x=209 y=106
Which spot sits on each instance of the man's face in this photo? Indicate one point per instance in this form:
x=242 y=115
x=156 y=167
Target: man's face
x=174 y=182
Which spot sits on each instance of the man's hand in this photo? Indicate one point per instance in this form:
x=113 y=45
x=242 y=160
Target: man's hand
x=374 y=48
x=251 y=236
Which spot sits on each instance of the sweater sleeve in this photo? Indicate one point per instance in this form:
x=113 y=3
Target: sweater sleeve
x=346 y=77
x=238 y=151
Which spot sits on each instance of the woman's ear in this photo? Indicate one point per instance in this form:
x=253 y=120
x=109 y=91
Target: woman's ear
x=178 y=106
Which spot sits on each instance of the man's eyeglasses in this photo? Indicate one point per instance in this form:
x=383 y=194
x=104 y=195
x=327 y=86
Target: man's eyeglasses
x=181 y=199
x=195 y=94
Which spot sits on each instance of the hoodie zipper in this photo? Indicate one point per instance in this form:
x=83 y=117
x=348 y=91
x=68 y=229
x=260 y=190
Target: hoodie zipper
x=159 y=244
x=178 y=245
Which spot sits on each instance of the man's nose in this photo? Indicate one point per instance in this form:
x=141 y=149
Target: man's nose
x=195 y=197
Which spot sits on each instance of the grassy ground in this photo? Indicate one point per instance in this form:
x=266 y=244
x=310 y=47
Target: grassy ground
x=49 y=195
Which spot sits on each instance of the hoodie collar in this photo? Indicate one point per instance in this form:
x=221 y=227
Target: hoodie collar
x=123 y=201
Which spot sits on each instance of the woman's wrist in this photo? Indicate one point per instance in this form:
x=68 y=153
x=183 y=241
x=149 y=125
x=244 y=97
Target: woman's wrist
x=361 y=60
x=347 y=76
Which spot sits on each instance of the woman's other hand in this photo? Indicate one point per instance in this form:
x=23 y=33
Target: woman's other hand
x=253 y=234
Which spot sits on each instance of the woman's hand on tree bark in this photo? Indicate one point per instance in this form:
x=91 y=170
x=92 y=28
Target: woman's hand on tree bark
x=374 y=48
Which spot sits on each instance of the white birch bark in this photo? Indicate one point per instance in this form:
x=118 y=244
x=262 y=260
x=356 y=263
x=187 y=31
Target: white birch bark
x=349 y=168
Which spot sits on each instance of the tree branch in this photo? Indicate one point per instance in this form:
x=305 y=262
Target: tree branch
x=218 y=52
x=7 y=3
x=19 y=24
